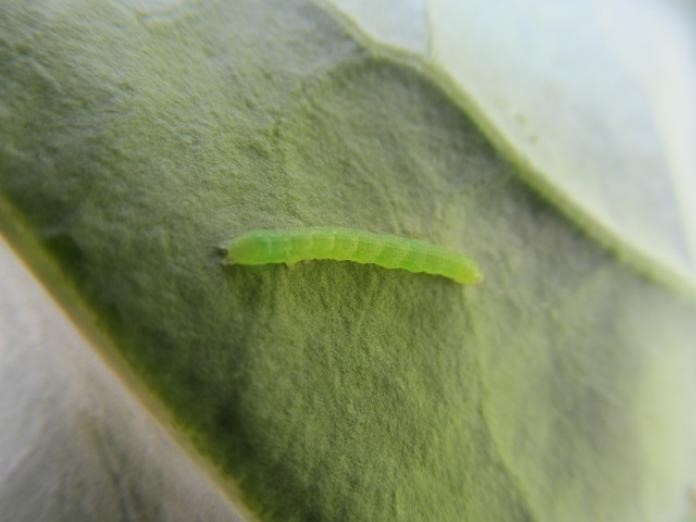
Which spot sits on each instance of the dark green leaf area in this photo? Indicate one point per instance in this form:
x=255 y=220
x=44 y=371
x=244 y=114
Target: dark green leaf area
x=136 y=140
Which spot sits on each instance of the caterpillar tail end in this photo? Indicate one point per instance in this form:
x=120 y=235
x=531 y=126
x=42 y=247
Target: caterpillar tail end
x=474 y=276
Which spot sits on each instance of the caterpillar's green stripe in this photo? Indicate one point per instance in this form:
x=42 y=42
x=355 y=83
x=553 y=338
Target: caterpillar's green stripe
x=259 y=247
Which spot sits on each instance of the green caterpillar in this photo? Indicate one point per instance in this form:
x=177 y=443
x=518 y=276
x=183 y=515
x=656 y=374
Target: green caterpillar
x=259 y=247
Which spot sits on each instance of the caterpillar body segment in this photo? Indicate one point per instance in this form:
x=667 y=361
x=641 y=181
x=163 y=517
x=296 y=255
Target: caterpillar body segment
x=290 y=246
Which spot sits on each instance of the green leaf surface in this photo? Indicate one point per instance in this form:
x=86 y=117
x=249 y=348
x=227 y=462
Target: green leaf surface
x=595 y=101
x=75 y=444
x=134 y=138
